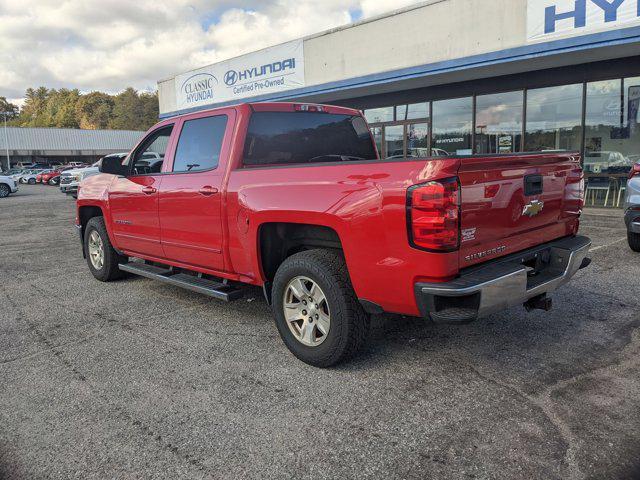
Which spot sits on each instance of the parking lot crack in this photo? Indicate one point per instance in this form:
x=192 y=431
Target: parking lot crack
x=544 y=405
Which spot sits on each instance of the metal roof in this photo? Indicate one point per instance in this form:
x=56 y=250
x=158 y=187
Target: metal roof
x=68 y=139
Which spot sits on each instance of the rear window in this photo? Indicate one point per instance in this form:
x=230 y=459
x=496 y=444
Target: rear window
x=285 y=138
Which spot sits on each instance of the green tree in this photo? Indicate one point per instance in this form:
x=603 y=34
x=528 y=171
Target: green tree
x=150 y=109
x=32 y=113
x=9 y=108
x=60 y=109
x=94 y=110
x=127 y=110
x=64 y=108
x=134 y=111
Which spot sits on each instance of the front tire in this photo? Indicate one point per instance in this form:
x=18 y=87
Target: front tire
x=634 y=241
x=31 y=181
x=102 y=258
x=316 y=310
x=4 y=190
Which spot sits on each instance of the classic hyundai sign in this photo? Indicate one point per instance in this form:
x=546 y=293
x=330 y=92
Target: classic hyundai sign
x=552 y=19
x=267 y=71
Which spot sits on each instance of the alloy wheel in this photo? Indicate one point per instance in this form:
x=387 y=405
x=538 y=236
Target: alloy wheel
x=96 y=250
x=306 y=311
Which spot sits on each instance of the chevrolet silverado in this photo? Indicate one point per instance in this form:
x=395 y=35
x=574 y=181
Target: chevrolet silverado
x=295 y=199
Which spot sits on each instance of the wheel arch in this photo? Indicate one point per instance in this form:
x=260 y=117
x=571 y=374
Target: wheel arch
x=277 y=241
x=86 y=213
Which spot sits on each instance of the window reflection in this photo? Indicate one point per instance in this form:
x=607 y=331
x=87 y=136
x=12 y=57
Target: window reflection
x=554 y=118
x=632 y=118
x=377 y=137
x=417 y=111
x=394 y=141
x=418 y=140
x=499 y=122
x=452 y=125
x=379 y=115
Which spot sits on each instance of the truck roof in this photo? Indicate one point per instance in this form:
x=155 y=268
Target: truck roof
x=273 y=107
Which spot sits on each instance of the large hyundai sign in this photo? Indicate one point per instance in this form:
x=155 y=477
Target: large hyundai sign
x=264 y=72
x=551 y=19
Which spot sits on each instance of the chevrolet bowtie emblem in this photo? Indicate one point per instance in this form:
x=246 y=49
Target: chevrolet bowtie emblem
x=533 y=208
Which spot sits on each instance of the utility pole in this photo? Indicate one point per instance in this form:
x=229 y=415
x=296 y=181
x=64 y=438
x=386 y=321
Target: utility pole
x=6 y=138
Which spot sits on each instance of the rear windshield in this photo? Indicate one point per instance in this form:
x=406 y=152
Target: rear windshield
x=284 y=138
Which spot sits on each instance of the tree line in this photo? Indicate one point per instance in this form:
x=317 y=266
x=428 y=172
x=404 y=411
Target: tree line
x=64 y=108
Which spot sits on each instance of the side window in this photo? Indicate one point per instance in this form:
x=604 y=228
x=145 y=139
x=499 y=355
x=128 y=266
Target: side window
x=200 y=144
x=149 y=157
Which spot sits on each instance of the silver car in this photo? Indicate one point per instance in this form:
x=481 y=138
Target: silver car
x=632 y=208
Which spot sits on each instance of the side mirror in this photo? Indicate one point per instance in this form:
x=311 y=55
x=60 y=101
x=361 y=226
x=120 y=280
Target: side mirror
x=113 y=165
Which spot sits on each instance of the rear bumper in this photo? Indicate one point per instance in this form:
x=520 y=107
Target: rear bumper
x=503 y=283
x=632 y=220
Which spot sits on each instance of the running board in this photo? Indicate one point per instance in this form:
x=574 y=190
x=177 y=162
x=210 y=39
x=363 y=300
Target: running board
x=211 y=288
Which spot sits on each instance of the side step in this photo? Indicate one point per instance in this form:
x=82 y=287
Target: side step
x=211 y=288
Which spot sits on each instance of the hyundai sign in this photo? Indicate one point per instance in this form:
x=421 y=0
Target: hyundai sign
x=551 y=19
x=264 y=72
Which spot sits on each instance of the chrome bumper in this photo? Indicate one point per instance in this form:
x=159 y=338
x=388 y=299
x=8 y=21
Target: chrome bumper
x=503 y=283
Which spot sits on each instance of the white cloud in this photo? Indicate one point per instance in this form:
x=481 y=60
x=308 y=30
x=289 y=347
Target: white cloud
x=111 y=44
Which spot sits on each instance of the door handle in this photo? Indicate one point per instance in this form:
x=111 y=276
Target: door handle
x=149 y=190
x=208 y=190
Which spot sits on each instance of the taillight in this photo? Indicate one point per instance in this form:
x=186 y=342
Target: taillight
x=433 y=214
x=634 y=171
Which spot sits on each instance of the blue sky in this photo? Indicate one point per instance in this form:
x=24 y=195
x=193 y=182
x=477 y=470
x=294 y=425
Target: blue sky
x=109 y=45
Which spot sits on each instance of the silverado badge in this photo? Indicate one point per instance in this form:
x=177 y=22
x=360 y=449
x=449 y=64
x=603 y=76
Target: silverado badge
x=533 y=208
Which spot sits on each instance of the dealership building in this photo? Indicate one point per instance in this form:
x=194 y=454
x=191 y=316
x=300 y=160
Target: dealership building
x=447 y=77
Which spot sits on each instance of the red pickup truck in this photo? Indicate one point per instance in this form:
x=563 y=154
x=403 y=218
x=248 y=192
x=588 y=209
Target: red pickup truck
x=294 y=198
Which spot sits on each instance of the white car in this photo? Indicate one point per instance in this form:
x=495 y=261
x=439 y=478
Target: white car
x=30 y=177
x=7 y=186
x=70 y=179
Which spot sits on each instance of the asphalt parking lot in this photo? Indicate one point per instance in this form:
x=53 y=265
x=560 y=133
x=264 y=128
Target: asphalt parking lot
x=135 y=379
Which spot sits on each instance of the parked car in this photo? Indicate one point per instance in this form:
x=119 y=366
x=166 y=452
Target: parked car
x=19 y=174
x=7 y=186
x=12 y=171
x=31 y=177
x=70 y=179
x=293 y=198
x=53 y=177
x=632 y=208
x=39 y=175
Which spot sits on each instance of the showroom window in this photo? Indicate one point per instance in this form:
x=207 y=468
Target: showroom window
x=394 y=141
x=379 y=115
x=499 y=122
x=417 y=140
x=554 y=118
x=452 y=126
x=631 y=102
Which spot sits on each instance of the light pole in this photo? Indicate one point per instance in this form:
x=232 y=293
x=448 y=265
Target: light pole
x=6 y=137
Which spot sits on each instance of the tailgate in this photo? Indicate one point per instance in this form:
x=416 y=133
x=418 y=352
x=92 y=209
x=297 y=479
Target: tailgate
x=511 y=203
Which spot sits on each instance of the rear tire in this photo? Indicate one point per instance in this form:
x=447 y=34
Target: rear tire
x=102 y=258
x=634 y=241
x=348 y=322
x=4 y=190
x=31 y=181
